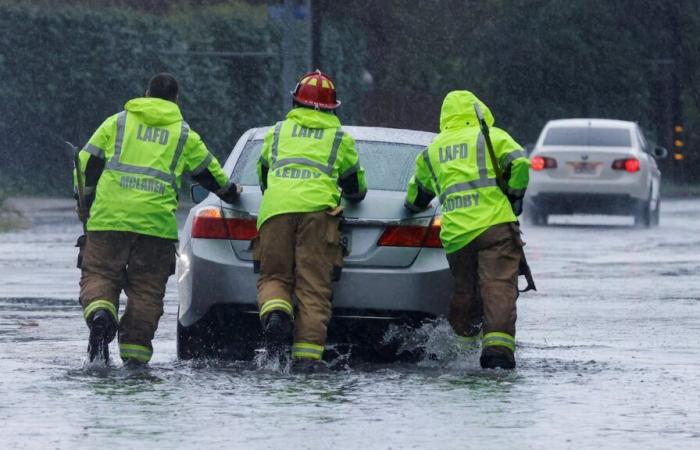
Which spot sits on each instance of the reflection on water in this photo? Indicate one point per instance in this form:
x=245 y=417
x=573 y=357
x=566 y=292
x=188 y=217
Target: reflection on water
x=443 y=398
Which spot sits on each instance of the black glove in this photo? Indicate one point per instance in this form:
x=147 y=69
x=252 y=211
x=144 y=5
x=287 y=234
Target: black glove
x=80 y=243
x=230 y=194
x=516 y=203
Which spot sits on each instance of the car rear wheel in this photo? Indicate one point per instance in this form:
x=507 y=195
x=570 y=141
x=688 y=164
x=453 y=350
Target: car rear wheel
x=219 y=335
x=643 y=217
x=537 y=216
x=656 y=215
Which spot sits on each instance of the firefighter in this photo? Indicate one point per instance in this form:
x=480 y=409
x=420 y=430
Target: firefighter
x=483 y=253
x=307 y=163
x=132 y=167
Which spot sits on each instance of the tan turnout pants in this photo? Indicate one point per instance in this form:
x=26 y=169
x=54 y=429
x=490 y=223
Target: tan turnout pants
x=486 y=288
x=297 y=254
x=138 y=264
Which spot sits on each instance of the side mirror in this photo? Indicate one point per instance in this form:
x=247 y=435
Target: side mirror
x=198 y=193
x=660 y=152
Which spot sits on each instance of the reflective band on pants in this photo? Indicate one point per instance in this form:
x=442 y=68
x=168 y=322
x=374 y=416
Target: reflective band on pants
x=100 y=304
x=133 y=351
x=469 y=342
x=496 y=339
x=304 y=350
x=276 y=304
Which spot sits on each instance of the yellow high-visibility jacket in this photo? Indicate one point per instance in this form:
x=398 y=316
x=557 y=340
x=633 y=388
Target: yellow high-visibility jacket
x=145 y=149
x=457 y=169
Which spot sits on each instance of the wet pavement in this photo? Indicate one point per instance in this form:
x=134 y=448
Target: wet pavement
x=608 y=355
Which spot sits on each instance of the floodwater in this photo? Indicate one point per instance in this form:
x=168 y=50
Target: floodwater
x=608 y=355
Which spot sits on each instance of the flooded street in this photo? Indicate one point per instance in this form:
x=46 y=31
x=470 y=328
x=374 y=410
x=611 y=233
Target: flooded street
x=608 y=356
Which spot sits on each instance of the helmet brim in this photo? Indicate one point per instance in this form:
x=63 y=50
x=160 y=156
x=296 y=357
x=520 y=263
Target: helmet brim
x=323 y=106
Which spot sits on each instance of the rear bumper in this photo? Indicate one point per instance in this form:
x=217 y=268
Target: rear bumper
x=573 y=203
x=635 y=186
x=210 y=274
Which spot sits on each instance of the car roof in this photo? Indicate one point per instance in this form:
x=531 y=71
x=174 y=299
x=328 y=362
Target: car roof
x=593 y=122
x=379 y=134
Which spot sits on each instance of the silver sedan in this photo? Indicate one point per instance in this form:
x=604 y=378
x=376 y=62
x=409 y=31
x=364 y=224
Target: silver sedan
x=395 y=271
x=598 y=166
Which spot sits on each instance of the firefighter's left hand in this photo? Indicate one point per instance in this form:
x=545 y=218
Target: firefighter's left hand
x=517 y=204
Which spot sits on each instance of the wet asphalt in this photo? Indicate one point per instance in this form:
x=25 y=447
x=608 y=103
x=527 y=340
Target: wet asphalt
x=608 y=354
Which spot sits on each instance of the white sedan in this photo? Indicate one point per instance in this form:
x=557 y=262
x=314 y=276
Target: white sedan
x=594 y=166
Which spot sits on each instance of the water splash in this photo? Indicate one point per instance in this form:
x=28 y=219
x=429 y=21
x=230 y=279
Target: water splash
x=97 y=364
x=434 y=342
x=272 y=362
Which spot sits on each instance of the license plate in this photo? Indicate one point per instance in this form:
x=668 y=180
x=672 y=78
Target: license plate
x=346 y=242
x=585 y=168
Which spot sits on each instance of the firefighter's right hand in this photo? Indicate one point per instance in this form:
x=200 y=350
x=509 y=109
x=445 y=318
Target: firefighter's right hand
x=232 y=193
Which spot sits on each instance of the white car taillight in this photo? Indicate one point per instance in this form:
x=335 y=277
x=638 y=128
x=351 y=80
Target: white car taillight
x=543 y=162
x=631 y=165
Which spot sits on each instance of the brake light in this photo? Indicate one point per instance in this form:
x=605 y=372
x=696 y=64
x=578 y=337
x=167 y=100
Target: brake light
x=242 y=229
x=631 y=165
x=211 y=223
x=412 y=235
x=402 y=236
x=543 y=162
x=432 y=239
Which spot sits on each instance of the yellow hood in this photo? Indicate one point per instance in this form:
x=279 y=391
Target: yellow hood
x=154 y=111
x=458 y=111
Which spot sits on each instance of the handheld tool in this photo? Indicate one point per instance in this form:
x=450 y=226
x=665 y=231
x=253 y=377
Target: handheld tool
x=524 y=268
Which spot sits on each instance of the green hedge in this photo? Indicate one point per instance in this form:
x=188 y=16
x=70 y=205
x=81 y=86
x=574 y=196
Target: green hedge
x=65 y=69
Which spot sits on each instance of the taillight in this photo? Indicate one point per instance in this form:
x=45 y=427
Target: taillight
x=432 y=239
x=631 y=165
x=543 y=162
x=411 y=234
x=211 y=223
x=241 y=229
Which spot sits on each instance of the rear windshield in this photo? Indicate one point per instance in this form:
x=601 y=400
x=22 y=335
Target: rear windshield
x=388 y=166
x=588 y=136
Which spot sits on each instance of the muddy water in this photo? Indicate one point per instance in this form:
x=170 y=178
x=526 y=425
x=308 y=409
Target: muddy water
x=608 y=355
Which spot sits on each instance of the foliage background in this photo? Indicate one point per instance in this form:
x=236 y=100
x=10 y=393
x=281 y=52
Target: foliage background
x=66 y=66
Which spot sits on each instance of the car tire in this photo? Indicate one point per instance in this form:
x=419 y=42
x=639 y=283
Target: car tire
x=216 y=336
x=537 y=216
x=656 y=215
x=643 y=215
x=186 y=348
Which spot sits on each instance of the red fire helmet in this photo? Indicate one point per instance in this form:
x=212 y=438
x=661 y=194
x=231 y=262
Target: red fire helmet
x=316 y=90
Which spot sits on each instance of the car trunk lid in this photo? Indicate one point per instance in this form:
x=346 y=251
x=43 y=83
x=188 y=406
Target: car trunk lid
x=363 y=225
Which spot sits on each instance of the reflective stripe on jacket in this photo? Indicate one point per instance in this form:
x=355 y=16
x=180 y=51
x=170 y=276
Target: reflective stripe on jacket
x=146 y=149
x=303 y=160
x=457 y=169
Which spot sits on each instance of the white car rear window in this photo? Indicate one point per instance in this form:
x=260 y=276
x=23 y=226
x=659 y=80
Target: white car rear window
x=588 y=136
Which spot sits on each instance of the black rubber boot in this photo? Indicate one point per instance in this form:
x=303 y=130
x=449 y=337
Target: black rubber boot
x=309 y=366
x=497 y=358
x=103 y=329
x=134 y=364
x=277 y=331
